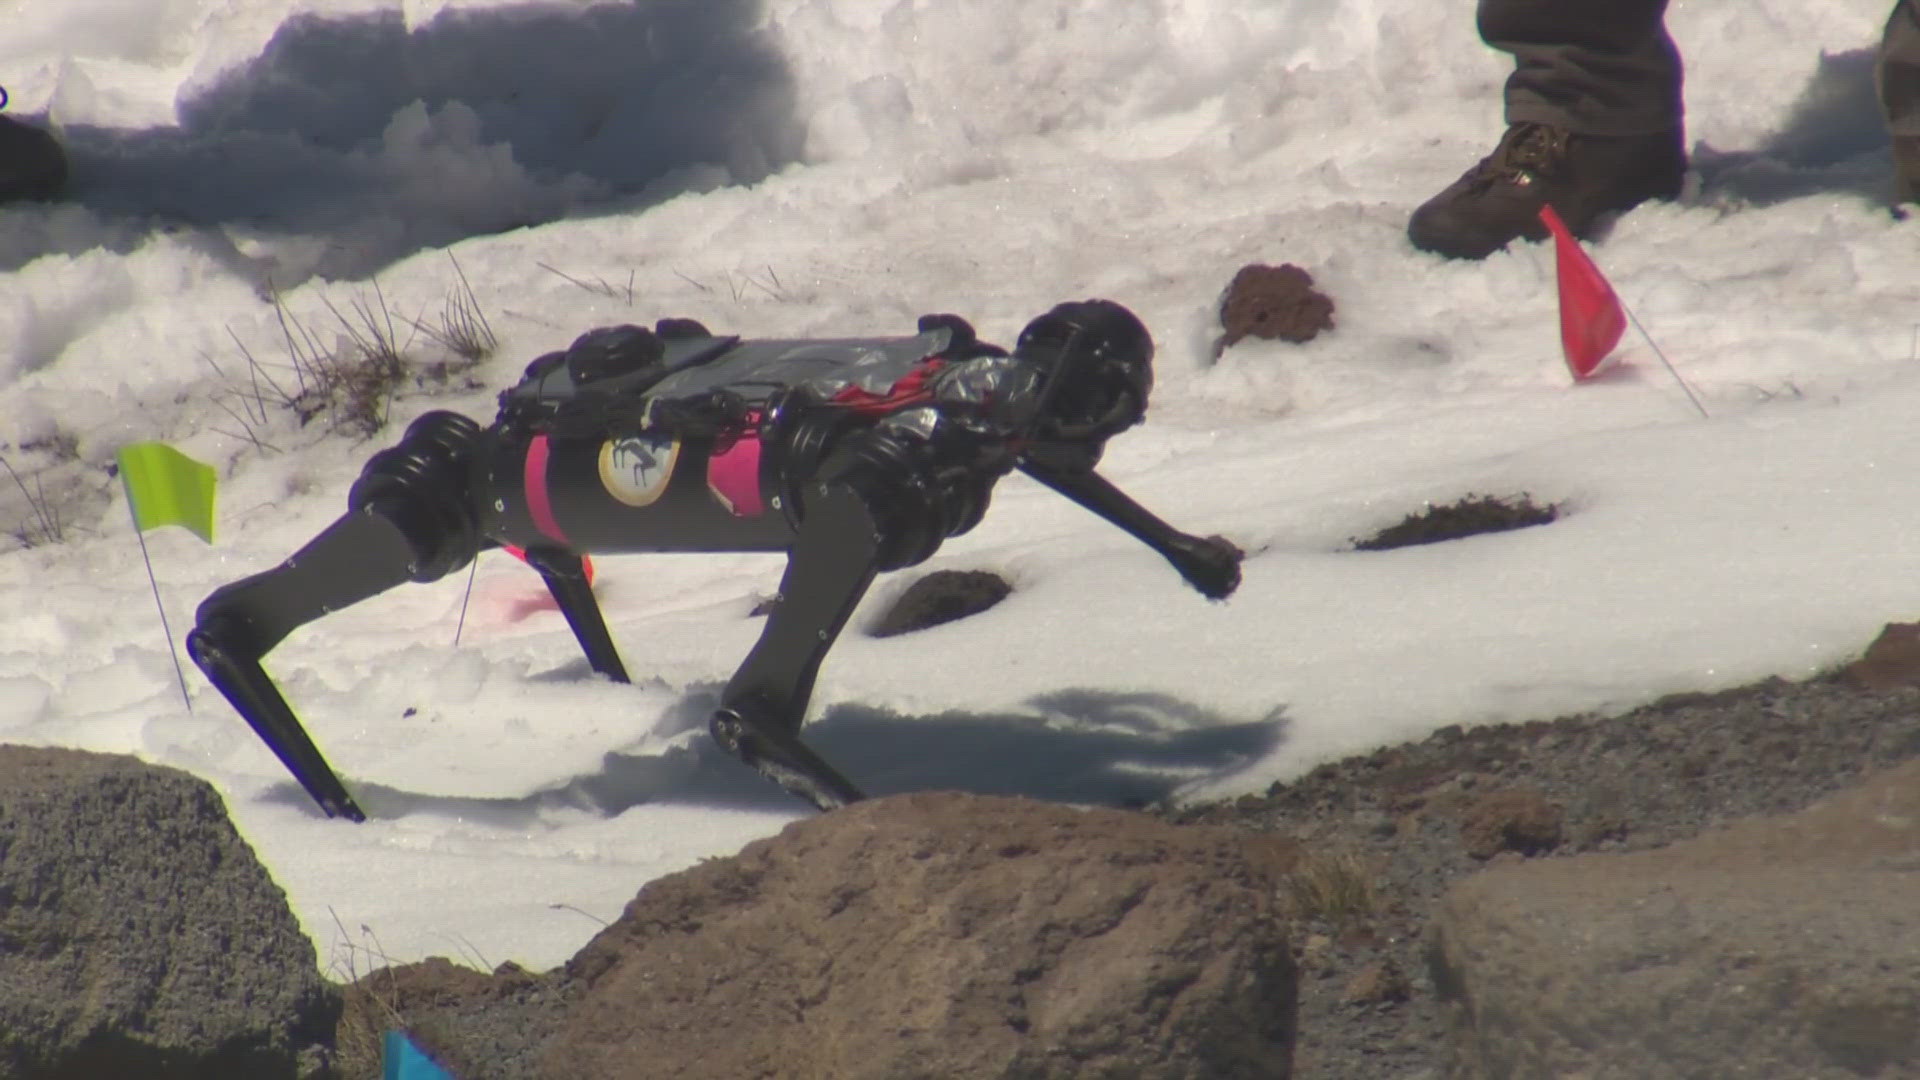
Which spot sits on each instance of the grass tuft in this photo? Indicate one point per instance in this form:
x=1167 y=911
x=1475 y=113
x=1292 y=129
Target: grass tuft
x=359 y=377
x=44 y=525
x=369 y=1009
x=1331 y=886
x=463 y=329
x=350 y=382
x=599 y=286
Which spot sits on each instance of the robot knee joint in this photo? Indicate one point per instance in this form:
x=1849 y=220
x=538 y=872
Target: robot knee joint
x=424 y=485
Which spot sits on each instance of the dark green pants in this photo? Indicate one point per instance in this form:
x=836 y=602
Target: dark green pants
x=1607 y=67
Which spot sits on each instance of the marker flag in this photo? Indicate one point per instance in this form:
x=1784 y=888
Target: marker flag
x=166 y=487
x=1591 y=319
x=401 y=1060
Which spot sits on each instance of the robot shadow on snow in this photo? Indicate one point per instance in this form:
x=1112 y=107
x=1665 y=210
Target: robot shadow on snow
x=1086 y=747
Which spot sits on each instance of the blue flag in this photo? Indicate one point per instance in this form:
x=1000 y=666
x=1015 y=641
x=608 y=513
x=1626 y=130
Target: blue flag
x=405 y=1061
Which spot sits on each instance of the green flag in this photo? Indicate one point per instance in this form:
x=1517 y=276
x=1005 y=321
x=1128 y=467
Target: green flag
x=166 y=487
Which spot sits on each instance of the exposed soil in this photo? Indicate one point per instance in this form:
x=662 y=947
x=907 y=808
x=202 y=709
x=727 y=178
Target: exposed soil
x=1387 y=832
x=1470 y=516
x=1278 y=303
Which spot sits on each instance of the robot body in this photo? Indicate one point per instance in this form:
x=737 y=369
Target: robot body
x=855 y=456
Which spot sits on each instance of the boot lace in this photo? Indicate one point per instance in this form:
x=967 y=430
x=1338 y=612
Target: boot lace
x=1526 y=153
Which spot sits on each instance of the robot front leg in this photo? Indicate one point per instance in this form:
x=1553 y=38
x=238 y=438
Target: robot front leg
x=359 y=555
x=1210 y=564
x=410 y=519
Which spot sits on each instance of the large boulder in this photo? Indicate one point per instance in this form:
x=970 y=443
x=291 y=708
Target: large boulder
x=139 y=935
x=929 y=935
x=1776 y=947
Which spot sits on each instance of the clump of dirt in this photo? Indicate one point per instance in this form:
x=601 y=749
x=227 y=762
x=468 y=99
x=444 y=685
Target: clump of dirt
x=1273 y=302
x=1471 y=516
x=941 y=597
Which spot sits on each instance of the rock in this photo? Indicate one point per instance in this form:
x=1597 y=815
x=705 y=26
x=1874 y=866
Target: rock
x=32 y=165
x=1314 y=950
x=941 y=597
x=936 y=935
x=1379 y=983
x=486 y=1018
x=1785 y=946
x=1511 y=819
x=1891 y=662
x=139 y=935
x=1273 y=302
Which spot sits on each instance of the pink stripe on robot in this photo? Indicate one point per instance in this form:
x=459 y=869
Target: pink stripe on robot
x=733 y=475
x=539 y=501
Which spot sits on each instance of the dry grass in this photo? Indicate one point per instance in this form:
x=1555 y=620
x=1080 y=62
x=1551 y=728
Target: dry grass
x=381 y=995
x=1337 y=887
x=745 y=283
x=462 y=329
x=43 y=525
x=350 y=384
x=368 y=1007
x=599 y=286
x=358 y=378
x=348 y=378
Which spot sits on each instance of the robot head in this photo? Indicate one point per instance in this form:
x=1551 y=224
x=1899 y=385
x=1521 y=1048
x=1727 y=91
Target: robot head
x=1097 y=363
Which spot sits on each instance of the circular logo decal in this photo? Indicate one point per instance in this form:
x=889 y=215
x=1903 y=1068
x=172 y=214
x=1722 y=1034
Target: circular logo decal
x=635 y=470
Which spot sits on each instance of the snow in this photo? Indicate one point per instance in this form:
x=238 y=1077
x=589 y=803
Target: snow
x=837 y=168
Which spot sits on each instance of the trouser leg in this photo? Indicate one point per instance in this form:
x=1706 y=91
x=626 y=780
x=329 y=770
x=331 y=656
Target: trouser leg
x=1897 y=75
x=1595 y=67
x=1896 y=79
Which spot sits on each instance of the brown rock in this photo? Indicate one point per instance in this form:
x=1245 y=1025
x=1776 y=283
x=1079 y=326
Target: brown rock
x=1519 y=820
x=926 y=935
x=1379 y=983
x=476 y=1024
x=1785 y=946
x=1891 y=662
x=1274 y=302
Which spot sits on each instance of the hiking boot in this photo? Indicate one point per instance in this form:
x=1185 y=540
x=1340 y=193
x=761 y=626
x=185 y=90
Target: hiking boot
x=1583 y=176
x=1906 y=168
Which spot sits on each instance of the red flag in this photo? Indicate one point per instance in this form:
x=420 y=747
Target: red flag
x=1591 y=320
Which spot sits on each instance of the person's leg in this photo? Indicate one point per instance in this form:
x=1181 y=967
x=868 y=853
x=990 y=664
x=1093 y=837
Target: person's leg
x=1897 y=80
x=1588 y=68
x=1594 y=125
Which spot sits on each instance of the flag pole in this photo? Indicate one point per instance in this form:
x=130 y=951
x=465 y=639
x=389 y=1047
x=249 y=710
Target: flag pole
x=178 y=672
x=1671 y=370
x=1592 y=315
x=176 y=490
x=472 y=569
